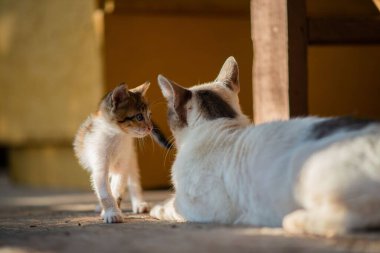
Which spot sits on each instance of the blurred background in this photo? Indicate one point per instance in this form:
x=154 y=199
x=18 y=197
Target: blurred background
x=57 y=59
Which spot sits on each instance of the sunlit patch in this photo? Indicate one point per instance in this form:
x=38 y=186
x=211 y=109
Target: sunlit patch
x=259 y=231
x=64 y=199
x=74 y=207
x=11 y=249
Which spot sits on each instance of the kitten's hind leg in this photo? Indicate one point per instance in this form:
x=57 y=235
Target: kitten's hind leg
x=134 y=186
x=135 y=191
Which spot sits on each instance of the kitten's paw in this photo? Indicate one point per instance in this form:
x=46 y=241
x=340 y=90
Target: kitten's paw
x=112 y=216
x=142 y=207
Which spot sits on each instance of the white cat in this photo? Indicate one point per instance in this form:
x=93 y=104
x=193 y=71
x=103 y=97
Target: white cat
x=104 y=146
x=309 y=175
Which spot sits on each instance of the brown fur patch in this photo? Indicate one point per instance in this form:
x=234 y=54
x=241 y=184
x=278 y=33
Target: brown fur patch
x=212 y=106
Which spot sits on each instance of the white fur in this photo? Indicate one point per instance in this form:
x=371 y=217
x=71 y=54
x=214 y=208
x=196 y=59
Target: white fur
x=230 y=171
x=109 y=154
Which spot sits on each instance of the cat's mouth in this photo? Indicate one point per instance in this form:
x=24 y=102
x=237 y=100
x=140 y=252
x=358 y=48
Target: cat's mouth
x=141 y=134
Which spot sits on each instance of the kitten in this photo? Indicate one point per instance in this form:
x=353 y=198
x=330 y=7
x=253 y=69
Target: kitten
x=310 y=175
x=104 y=146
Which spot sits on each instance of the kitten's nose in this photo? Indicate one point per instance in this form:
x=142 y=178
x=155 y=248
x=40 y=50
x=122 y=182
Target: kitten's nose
x=150 y=128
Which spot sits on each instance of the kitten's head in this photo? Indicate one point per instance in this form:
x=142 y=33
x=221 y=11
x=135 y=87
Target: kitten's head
x=128 y=110
x=188 y=107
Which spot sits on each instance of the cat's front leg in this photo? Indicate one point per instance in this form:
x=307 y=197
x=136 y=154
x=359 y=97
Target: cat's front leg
x=111 y=212
x=166 y=211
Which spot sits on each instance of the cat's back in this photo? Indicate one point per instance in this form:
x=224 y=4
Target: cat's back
x=313 y=129
x=278 y=135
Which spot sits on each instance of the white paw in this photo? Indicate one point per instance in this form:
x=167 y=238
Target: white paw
x=295 y=222
x=141 y=207
x=157 y=212
x=112 y=216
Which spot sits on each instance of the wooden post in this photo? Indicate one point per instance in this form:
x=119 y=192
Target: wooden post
x=280 y=59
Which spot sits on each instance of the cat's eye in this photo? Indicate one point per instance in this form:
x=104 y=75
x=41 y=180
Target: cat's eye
x=139 y=117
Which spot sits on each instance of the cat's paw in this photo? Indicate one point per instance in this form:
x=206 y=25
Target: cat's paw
x=315 y=223
x=295 y=222
x=141 y=207
x=112 y=216
x=157 y=212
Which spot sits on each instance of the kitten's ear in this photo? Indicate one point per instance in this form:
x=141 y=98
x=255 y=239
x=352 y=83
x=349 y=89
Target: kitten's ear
x=119 y=94
x=173 y=92
x=142 y=89
x=229 y=74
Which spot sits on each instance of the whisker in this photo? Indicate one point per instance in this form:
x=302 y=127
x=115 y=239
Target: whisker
x=152 y=141
x=171 y=139
x=142 y=143
x=138 y=140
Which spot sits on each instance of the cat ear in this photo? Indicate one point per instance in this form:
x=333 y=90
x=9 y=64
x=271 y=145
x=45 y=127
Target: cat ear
x=229 y=74
x=142 y=89
x=119 y=94
x=173 y=92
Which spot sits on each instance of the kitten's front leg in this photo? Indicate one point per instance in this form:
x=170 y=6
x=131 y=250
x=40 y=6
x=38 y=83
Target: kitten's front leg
x=166 y=211
x=111 y=212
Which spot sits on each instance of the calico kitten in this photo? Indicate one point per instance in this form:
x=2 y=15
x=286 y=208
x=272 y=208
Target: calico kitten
x=104 y=146
x=309 y=175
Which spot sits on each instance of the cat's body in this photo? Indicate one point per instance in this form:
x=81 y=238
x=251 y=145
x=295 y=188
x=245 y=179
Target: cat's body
x=104 y=146
x=311 y=175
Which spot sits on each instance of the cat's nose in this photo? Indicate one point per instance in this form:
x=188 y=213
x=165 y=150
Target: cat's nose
x=150 y=128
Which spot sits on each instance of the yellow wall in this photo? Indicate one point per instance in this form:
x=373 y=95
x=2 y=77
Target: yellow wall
x=50 y=80
x=344 y=79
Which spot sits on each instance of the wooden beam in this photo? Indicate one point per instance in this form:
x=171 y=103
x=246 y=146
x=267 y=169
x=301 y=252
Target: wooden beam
x=358 y=30
x=280 y=59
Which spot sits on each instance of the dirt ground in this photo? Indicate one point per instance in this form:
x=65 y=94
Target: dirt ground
x=56 y=221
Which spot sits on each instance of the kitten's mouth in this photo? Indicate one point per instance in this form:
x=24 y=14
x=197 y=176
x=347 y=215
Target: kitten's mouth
x=141 y=134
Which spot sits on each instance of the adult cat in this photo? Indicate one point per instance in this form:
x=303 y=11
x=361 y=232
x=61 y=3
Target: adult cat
x=309 y=175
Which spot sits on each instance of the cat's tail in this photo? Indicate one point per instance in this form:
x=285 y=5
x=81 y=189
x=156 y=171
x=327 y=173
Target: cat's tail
x=160 y=138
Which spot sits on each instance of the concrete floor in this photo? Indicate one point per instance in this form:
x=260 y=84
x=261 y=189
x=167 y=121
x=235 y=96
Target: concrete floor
x=53 y=221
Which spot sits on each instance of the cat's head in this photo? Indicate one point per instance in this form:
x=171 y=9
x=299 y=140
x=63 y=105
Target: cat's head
x=128 y=110
x=188 y=107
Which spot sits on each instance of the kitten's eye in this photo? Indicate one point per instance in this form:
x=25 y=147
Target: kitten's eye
x=139 y=117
